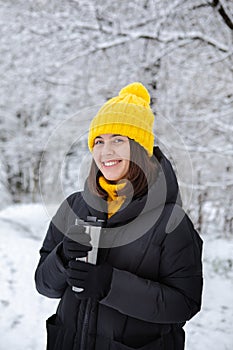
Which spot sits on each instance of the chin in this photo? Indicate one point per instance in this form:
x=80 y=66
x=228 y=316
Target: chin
x=112 y=177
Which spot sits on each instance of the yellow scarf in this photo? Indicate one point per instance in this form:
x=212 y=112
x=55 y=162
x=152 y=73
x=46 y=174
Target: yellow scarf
x=114 y=201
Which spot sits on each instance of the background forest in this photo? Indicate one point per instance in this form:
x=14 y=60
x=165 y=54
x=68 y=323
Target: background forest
x=60 y=57
x=60 y=60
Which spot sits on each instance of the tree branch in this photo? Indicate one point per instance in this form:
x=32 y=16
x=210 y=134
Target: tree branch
x=176 y=36
x=180 y=38
x=217 y=184
x=223 y=12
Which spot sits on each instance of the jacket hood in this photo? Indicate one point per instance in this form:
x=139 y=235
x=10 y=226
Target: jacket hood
x=168 y=178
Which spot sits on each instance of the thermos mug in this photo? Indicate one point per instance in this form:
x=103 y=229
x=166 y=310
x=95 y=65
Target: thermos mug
x=92 y=227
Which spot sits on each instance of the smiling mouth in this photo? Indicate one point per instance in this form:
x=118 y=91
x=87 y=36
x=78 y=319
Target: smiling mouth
x=111 y=163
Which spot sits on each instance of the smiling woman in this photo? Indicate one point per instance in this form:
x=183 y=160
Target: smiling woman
x=148 y=278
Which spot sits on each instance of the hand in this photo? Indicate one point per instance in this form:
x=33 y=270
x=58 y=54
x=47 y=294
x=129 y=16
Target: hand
x=76 y=244
x=94 y=279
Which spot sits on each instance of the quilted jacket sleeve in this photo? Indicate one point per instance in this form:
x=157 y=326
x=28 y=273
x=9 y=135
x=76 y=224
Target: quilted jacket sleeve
x=176 y=296
x=50 y=276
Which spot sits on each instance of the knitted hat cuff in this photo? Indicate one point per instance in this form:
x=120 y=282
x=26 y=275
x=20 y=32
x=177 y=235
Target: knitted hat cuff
x=142 y=136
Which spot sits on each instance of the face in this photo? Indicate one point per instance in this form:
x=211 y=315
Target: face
x=111 y=154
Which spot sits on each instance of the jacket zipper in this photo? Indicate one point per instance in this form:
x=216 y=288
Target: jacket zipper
x=85 y=326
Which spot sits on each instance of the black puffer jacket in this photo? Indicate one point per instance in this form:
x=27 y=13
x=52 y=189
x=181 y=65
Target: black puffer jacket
x=157 y=273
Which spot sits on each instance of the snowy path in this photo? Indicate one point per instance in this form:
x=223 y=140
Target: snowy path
x=23 y=311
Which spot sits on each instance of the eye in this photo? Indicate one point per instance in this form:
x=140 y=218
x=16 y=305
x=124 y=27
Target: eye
x=118 y=140
x=98 y=142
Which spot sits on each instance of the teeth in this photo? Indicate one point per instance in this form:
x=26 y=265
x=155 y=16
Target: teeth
x=110 y=163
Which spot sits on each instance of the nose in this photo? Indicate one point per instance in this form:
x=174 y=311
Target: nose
x=107 y=149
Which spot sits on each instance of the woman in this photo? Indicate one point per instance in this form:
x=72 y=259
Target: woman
x=148 y=278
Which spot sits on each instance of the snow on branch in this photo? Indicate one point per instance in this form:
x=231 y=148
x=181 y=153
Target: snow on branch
x=101 y=46
x=162 y=18
x=217 y=184
x=176 y=36
x=223 y=126
x=173 y=37
x=207 y=150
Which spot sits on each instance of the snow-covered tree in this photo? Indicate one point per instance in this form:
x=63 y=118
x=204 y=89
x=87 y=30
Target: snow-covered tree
x=59 y=58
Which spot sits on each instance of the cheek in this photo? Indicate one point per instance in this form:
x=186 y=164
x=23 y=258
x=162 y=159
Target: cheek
x=126 y=153
x=127 y=159
x=96 y=158
x=127 y=165
x=95 y=154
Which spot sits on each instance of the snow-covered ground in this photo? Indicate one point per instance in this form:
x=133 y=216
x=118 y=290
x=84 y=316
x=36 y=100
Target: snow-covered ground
x=23 y=311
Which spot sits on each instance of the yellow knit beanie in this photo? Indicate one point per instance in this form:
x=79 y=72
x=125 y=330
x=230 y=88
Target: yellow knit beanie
x=129 y=114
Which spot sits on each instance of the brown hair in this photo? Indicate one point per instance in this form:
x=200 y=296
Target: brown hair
x=142 y=173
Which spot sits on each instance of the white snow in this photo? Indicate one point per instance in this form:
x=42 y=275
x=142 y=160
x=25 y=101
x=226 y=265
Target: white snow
x=23 y=311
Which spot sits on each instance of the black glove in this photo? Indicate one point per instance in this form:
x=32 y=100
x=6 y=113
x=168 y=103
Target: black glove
x=76 y=244
x=94 y=279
